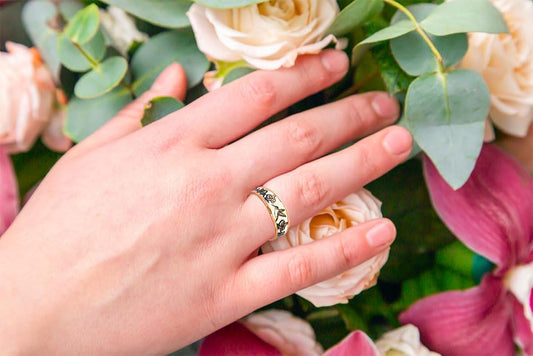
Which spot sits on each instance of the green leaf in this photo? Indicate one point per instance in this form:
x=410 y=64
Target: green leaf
x=396 y=30
x=446 y=114
x=413 y=53
x=392 y=75
x=160 y=107
x=461 y=16
x=86 y=116
x=163 y=13
x=35 y=17
x=73 y=59
x=226 y=4
x=449 y=273
x=102 y=79
x=415 y=57
x=354 y=15
x=84 y=25
x=162 y=50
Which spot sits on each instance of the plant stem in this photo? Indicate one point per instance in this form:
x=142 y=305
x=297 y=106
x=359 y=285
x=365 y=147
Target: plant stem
x=420 y=30
x=87 y=56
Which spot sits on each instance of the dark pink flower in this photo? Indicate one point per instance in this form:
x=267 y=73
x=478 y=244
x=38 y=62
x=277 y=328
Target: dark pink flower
x=493 y=215
x=8 y=192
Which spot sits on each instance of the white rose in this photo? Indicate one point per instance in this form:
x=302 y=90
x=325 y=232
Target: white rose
x=519 y=281
x=289 y=334
x=355 y=209
x=268 y=35
x=404 y=341
x=506 y=63
x=27 y=101
x=121 y=29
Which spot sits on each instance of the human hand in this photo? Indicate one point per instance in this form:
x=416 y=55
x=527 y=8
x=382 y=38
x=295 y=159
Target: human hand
x=144 y=240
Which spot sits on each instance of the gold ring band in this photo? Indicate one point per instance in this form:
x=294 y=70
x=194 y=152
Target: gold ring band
x=277 y=209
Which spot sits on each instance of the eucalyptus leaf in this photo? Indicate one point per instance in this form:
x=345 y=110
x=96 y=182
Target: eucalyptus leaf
x=86 y=116
x=73 y=59
x=446 y=114
x=102 y=79
x=36 y=15
x=163 y=13
x=394 y=78
x=227 y=4
x=415 y=57
x=160 y=107
x=84 y=25
x=461 y=16
x=354 y=15
x=162 y=50
x=396 y=30
x=69 y=8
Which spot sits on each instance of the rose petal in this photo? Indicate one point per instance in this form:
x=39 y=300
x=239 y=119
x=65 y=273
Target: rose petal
x=8 y=192
x=235 y=339
x=492 y=213
x=356 y=343
x=470 y=322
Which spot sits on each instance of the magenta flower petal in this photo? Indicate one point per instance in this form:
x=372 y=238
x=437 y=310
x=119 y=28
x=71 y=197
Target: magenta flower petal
x=493 y=212
x=471 y=322
x=235 y=339
x=357 y=343
x=8 y=192
x=522 y=327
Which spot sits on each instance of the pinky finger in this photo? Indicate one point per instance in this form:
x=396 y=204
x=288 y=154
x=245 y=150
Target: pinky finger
x=288 y=271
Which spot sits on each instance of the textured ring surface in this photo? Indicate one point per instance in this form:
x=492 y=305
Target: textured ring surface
x=277 y=209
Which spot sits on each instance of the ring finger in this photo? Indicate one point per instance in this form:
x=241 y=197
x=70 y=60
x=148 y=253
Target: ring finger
x=315 y=185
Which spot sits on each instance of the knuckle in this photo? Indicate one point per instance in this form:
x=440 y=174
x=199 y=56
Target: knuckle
x=347 y=253
x=304 y=136
x=358 y=114
x=366 y=162
x=300 y=271
x=259 y=90
x=312 y=190
x=315 y=73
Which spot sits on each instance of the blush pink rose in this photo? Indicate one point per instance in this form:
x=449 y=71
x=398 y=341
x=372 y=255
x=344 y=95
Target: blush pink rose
x=28 y=104
x=356 y=208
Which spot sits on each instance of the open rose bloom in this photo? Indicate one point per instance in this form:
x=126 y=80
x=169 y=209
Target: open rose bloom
x=268 y=35
x=355 y=209
x=506 y=63
x=28 y=102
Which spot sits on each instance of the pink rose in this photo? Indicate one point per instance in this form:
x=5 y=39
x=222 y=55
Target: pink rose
x=357 y=208
x=27 y=102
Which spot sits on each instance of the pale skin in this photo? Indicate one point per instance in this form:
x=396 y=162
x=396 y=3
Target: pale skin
x=145 y=240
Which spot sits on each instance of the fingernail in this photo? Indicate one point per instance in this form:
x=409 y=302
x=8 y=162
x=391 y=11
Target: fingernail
x=381 y=235
x=334 y=61
x=167 y=78
x=398 y=141
x=385 y=106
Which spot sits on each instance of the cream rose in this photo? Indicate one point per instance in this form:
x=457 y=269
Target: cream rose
x=289 y=334
x=268 y=35
x=355 y=209
x=506 y=63
x=27 y=102
x=404 y=341
x=121 y=29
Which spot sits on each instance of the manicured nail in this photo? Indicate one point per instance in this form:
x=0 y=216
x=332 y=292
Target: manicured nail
x=334 y=61
x=398 y=141
x=381 y=235
x=385 y=106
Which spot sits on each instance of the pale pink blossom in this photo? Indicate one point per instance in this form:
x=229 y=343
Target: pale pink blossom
x=493 y=215
x=357 y=208
x=268 y=35
x=28 y=104
x=506 y=63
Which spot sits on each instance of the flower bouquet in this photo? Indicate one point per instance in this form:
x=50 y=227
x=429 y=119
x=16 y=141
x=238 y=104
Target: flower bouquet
x=460 y=276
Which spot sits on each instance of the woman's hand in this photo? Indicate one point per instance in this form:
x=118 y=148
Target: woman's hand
x=144 y=240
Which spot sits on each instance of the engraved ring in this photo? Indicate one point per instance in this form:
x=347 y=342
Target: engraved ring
x=277 y=210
